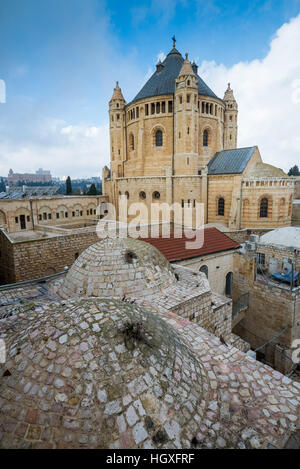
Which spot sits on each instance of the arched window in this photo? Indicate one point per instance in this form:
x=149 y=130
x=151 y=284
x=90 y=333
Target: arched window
x=204 y=270
x=205 y=138
x=142 y=195
x=158 y=138
x=156 y=195
x=263 y=210
x=228 y=286
x=131 y=142
x=221 y=206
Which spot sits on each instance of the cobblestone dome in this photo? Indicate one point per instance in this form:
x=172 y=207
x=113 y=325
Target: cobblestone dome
x=117 y=267
x=97 y=374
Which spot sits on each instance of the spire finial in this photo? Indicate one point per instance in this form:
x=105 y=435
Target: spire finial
x=174 y=40
x=186 y=56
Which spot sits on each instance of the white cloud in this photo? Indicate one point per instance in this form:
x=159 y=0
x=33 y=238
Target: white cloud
x=161 y=56
x=268 y=95
x=76 y=150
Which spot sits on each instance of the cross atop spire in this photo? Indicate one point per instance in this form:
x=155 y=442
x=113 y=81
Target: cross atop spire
x=174 y=40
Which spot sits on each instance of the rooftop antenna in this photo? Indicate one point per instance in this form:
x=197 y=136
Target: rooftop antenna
x=174 y=40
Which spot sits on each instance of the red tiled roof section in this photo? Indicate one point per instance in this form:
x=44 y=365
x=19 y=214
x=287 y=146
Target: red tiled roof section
x=174 y=249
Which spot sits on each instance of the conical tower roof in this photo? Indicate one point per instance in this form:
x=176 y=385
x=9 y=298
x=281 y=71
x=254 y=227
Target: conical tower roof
x=186 y=68
x=117 y=94
x=228 y=96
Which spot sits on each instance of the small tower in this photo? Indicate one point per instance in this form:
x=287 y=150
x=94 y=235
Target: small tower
x=230 y=120
x=186 y=120
x=117 y=132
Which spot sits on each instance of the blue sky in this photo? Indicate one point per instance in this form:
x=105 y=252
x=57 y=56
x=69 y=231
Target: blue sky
x=60 y=59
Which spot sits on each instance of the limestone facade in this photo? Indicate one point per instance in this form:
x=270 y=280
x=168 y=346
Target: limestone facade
x=219 y=266
x=274 y=307
x=28 y=214
x=162 y=142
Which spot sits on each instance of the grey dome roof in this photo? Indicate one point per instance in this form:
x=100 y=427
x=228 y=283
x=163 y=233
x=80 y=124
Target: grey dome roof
x=163 y=81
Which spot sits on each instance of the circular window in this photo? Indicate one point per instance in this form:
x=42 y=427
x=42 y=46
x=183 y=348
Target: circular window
x=156 y=195
x=142 y=195
x=127 y=194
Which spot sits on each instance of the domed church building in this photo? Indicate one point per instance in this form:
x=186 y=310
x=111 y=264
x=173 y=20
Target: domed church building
x=176 y=142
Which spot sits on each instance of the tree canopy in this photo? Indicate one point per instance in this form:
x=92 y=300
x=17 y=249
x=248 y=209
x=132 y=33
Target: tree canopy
x=68 y=186
x=294 y=171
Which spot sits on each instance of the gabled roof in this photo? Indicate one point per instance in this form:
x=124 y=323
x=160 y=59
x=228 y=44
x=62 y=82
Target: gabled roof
x=163 y=81
x=174 y=249
x=230 y=161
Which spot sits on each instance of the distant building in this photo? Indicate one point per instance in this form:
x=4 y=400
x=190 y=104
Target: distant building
x=41 y=176
x=42 y=171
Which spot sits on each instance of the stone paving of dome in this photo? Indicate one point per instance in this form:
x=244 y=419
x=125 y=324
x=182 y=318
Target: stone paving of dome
x=114 y=267
x=75 y=383
x=96 y=372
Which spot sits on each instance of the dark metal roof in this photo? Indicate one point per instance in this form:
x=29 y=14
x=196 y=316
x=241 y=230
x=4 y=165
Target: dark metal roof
x=29 y=192
x=230 y=161
x=163 y=81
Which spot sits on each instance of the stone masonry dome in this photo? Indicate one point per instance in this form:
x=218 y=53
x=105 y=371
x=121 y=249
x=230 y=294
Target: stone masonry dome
x=115 y=267
x=75 y=377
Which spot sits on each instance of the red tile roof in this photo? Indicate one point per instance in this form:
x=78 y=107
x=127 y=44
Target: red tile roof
x=174 y=249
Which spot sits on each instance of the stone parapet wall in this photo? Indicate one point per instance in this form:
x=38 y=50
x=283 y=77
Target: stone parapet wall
x=240 y=236
x=77 y=208
x=271 y=308
x=37 y=258
x=281 y=254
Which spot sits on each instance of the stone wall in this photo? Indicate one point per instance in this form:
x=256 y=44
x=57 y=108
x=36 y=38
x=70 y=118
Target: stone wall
x=37 y=258
x=296 y=211
x=297 y=188
x=278 y=191
x=281 y=254
x=270 y=310
x=7 y=269
x=48 y=211
x=218 y=266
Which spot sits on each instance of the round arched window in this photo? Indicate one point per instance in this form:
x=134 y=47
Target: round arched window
x=205 y=138
x=156 y=195
x=221 y=206
x=263 y=210
x=142 y=195
x=204 y=270
x=158 y=138
x=127 y=194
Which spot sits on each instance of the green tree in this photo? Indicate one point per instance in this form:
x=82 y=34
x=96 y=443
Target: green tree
x=2 y=186
x=294 y=171
x=92 y=190
x=68 y=186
